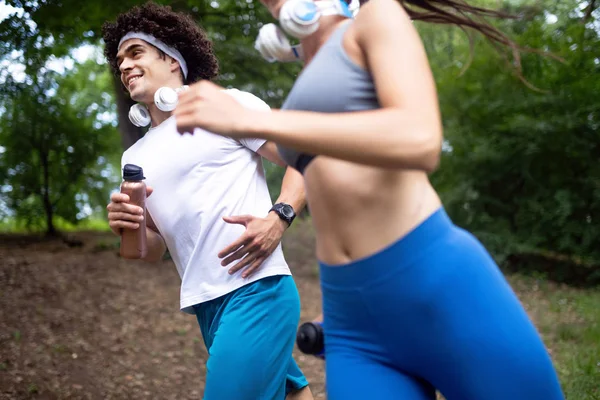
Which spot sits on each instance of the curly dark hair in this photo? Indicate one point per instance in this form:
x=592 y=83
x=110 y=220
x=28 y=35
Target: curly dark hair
x=175 y=29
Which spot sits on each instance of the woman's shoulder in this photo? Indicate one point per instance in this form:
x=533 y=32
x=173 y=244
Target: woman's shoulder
x=380 y=11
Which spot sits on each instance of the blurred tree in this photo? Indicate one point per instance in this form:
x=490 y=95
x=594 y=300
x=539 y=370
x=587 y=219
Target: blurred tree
x=232 y=25
x=522 y=172
x=57 y=135
x=520 y=167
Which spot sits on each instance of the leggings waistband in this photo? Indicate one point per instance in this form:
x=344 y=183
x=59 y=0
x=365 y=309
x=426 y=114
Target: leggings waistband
x=401 y=254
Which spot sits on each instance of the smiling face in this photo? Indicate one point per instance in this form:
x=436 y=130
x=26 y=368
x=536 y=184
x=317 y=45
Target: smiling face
x=144 y=69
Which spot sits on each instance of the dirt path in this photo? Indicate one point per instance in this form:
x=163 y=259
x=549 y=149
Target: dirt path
x=82 y=323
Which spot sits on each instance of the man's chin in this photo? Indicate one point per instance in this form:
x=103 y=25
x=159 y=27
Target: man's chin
x=139 y=96
x=136 y=96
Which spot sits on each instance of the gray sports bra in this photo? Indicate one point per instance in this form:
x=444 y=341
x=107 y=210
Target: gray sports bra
x=332 y=83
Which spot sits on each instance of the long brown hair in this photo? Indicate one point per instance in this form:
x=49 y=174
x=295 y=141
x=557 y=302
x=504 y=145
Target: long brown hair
x=459 y=13
x=464 y=15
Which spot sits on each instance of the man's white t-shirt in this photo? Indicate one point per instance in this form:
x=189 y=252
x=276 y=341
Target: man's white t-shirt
x=197 y=180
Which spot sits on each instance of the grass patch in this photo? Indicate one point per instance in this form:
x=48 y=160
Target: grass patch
x=569 y=321
x=95 y=224
x=32 y=388
x=89 y=224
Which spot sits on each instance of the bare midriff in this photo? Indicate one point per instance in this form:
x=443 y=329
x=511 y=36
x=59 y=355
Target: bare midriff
x=359 y=210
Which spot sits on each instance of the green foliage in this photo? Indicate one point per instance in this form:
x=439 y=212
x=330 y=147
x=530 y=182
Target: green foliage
x=232 y=25
x=92 y=223
x=523 y=172
x=56 y=140
x=274 y=175
x=521 y=168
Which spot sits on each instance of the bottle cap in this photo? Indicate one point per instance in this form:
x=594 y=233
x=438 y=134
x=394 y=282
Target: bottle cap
x=132 y=172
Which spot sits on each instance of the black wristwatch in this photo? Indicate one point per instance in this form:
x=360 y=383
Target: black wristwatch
x=285 y=212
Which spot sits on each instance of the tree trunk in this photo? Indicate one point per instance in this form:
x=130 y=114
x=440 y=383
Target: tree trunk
x=50 y=228
x=129 y=132
x=588 y=11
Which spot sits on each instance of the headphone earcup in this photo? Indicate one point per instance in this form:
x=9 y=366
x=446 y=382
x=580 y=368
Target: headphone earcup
x=273 y=45
x=299 y=18
x=266 y=42
x=166 y=99
x=139 y=115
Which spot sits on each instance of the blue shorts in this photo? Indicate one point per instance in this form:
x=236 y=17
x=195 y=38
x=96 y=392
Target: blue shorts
x=250 y=334
x=431 y=311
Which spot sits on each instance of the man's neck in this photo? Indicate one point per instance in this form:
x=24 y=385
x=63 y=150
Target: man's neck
x=312 y=44
x=157 y=116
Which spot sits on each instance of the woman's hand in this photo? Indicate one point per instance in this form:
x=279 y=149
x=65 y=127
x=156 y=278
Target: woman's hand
x=207 y=106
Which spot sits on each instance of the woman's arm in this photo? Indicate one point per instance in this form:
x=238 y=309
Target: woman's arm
x=406 y=132
x=385 y=138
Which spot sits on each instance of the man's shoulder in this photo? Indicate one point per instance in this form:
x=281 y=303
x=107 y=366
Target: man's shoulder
x=248 y=99
x=130 y=151
x=252 y=102
x=134 y=148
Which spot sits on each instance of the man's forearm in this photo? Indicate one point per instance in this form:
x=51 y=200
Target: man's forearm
x=292 y=190
x=156 y=246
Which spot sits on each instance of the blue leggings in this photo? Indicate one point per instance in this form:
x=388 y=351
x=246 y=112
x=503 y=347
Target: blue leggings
x=431 y=311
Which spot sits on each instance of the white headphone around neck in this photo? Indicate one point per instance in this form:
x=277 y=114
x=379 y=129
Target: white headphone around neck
x=299 y=19
x=165 y=98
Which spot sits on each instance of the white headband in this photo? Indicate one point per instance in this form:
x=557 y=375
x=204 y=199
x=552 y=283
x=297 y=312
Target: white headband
x=170 y=51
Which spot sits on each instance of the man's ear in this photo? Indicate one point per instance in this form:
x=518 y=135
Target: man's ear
x=174 y=64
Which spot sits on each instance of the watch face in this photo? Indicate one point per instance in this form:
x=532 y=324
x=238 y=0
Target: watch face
x=287 y=210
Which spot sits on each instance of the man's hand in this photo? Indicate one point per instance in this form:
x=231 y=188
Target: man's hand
x=260 y=239
x=122 y=215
